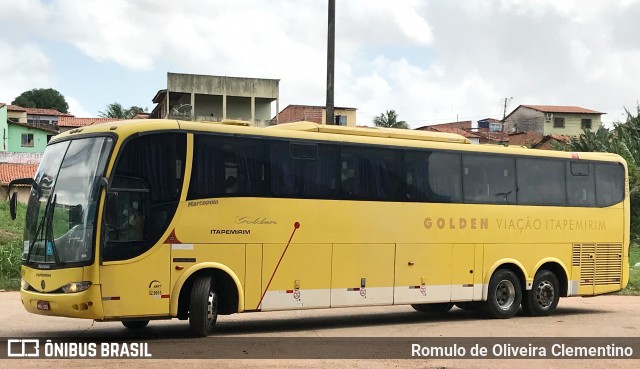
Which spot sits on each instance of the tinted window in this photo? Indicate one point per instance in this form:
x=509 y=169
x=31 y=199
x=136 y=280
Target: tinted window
x=371 y=174
x=541 y=181
x=609 y=184
x=304 y=170
x=228 y=166
x=580 y=184
x=433 y=177
x=146 y=189
x=488 y=179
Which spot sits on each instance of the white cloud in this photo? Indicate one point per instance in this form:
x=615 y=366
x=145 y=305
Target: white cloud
x=22 y=68
x=76 y=108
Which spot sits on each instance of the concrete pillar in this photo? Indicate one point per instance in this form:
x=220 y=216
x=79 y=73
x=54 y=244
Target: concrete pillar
x=193 y=106
x=253 y=110
x=224 y=106
x=277 y=110
x=166 y=113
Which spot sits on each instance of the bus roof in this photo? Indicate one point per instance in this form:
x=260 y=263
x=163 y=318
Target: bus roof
x=313 y=131
x=406 y=134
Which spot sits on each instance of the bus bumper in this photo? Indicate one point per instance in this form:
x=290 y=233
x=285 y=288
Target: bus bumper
x=86 y=304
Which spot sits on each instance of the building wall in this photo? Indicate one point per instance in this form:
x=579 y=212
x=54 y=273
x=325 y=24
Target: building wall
x=222 y=85
x=14 y=143
x=23 y=193
x=208 y=107
x=21 y=116
x=572 y=124
x=525 y=120
x=351 y=116
x=238 y=108
x=4 y=129
x=263 y=109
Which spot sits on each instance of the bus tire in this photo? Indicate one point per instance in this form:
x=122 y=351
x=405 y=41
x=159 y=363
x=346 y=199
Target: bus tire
x=203 y=307
x=439 y=308
x=468 y=305
x=543 y=297
x=505 y=295
x=135 y=324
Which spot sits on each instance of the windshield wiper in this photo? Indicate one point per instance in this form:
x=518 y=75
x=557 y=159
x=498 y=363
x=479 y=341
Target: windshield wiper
x=49 y=232
x=39 y=228
x=46 y=227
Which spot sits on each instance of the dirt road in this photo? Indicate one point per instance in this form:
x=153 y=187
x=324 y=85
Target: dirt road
x=604 y=316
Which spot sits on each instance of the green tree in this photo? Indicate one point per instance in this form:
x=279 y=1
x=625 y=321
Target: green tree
x=42 y=98
x=389 y=120
x=116 y=110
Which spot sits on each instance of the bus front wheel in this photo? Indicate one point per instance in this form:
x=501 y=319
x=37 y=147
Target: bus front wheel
x=543 y=298
x=203 y=307
x=505 y=295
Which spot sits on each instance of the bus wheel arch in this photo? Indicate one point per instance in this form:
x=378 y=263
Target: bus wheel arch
x=225 y=285
x=560 y=272
x=505 y=289
x=549 y=284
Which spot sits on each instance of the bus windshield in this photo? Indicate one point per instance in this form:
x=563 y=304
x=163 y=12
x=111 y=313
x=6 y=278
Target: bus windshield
x=61 y=213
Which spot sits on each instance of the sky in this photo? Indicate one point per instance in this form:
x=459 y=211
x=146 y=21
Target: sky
x=432 y=61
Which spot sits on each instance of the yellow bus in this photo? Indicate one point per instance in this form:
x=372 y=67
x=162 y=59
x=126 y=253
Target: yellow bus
x=159 y=219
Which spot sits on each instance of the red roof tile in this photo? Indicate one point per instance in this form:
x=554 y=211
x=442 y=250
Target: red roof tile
x=15 y=108
x=561 y=109
x=457 y=131
x=9 y=171
x=66 y=121
x=460 y=125
x=37 y=111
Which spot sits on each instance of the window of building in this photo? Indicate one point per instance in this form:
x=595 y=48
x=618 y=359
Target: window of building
x=586 y=124
x=27 y=140
x=558 y=122
x=340 y=120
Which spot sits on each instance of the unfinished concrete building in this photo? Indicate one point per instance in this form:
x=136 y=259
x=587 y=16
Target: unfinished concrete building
x=216 y=98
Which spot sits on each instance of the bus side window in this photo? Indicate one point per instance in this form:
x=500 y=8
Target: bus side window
x=609 y=184
x=580 y=184
x=489 y=179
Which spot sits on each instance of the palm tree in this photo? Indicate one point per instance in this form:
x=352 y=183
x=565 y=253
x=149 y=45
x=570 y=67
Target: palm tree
x=116 y=110
x=389 y=120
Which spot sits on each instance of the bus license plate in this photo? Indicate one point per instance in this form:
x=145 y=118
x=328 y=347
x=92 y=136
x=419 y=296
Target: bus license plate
x=43 y=305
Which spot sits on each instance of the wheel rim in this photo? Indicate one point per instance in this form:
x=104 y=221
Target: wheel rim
x=505 y=294
x=212 y=309
x=545 y=294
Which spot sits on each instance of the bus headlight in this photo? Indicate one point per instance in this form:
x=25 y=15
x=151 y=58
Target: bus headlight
x=76 y=287
x=23 y=284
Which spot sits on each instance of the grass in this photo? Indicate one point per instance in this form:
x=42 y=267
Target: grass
x=633 y=288
x=10 y=246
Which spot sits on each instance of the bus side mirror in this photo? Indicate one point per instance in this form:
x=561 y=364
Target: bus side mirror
x=13 y=205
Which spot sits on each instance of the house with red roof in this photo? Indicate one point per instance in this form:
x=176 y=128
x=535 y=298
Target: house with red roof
x=11 y=171
x=70 y=122
x=552 y=120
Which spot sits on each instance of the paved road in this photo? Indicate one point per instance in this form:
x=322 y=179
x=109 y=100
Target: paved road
x=603 y=316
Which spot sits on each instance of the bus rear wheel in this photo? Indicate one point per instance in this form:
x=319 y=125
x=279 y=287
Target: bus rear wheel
x=203 y=307
x=544 y=296
x=135 y=324
x=505 y=295
x=439 y=308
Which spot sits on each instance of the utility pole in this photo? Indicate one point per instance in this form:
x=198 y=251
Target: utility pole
x=331 y=41
x=506 y=101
